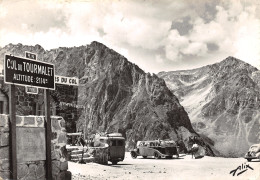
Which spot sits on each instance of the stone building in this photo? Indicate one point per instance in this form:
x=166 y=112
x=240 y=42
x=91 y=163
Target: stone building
x=63 y=103
x=31 y=151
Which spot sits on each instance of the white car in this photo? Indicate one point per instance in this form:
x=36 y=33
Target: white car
x=156 y=148
x=253 y=152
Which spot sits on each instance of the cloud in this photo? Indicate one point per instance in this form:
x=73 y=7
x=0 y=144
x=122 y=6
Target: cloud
x=3 y=11
x=241 y=35
x=175 y=44
x=212 y=47
x=135 y=32
x=246 y=46
x=158 y=58
x=153 y=34
x=178 y=46
x=183 y=25
x=195 y=48
x=33 y=14
x=234 y=30
x=23 y=21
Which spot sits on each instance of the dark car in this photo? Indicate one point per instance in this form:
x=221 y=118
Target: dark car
x=157 y=148
x=116 y=147
x=253 y=152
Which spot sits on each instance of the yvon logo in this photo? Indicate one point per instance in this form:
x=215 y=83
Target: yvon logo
x=240 y=169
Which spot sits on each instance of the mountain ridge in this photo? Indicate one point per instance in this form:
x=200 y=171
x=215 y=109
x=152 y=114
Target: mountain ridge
x=222 y=101
x=227 y=60
x=118 y=95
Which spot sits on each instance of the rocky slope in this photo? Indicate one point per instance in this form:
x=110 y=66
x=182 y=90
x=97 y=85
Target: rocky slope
x=223 y=102
x=117 y=95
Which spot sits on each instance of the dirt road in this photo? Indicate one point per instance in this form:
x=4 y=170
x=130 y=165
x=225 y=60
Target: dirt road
x=183 y=168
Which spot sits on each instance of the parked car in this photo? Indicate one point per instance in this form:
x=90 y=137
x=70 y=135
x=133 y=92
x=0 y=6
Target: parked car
x=157 y=148
x=116 y=146
x=253 y=152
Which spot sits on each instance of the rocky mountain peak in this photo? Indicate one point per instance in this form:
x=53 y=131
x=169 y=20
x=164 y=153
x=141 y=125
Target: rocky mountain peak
x=222 y=101
x=97 y=44
x=232 y=64
x=232 y=60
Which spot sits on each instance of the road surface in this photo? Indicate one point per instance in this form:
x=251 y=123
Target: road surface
x=183 y=168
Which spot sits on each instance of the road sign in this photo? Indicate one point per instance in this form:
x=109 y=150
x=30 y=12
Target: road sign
x=31 y=90
x=30 y=55
x=73 y=81
x=22 y=71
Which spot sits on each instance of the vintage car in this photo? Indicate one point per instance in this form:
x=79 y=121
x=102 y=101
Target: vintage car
x=157 y=148
x=253 y=152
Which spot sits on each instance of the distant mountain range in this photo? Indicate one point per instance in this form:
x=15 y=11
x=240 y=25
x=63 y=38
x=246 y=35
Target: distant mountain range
x=118 y=96
x=222 y=101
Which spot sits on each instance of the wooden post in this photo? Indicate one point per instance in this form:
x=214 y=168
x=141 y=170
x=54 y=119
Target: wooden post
x=12 y=116
x=48 y=134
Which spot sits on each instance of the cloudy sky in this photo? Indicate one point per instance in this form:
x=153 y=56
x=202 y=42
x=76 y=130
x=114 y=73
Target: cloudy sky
x=157 y=35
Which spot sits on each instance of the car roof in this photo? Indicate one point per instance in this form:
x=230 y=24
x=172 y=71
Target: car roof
x=74 y=134
x=111 y=137
x=157 y=141
x=257 y=145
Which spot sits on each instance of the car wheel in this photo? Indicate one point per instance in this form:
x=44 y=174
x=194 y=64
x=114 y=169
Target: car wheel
x=114 y=162
x=133 y=155
x=144 y=156
x=156 y=155
x=168 y=157
x=249 y=160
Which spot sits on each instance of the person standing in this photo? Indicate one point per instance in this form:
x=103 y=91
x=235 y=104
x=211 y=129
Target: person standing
x=194 y=149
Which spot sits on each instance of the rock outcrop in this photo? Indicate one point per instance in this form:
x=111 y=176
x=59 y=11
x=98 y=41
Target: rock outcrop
x=223 y=103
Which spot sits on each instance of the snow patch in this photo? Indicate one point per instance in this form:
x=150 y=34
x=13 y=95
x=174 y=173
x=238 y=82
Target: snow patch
x=194 y=101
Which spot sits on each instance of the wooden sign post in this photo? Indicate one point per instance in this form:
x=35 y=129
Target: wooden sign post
x=12 y=116
x=48 y=133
